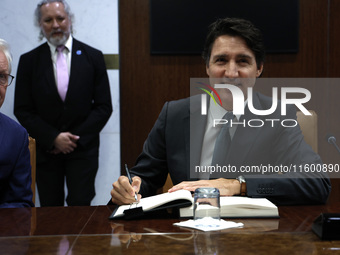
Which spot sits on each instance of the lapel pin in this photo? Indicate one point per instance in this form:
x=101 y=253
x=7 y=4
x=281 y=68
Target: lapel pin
x=78 y=52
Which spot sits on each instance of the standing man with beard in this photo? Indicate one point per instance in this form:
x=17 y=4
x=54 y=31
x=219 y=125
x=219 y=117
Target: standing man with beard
x=62 y=98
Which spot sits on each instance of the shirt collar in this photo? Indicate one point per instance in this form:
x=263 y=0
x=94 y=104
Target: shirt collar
x=68 y=45
x=217 y=111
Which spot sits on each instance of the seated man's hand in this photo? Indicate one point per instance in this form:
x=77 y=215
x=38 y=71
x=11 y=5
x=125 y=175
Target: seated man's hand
x=227 y=187
x=124 y=236
x=124 y=193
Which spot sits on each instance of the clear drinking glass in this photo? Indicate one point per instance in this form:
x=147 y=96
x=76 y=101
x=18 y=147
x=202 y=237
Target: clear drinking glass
x=207 y=204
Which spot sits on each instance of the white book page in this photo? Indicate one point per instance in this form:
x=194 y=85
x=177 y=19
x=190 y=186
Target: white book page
x=247 y=202
x=149 y=203
x=246 y=206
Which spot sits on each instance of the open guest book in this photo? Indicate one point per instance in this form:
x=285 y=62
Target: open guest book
x=231 y=207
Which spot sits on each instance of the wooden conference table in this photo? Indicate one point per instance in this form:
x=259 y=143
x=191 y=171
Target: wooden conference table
x=87 y=230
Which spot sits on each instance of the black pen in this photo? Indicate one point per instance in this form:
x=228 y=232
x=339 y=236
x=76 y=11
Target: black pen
x=130 y=180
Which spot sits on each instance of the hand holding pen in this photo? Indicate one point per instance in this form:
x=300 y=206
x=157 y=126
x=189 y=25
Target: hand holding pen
x=125 y=190
x=130 y=179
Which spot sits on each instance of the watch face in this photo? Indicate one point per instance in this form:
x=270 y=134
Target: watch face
x=241 y=179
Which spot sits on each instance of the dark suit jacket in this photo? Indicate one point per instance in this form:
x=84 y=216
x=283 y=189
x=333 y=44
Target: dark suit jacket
x=15 y=167
x=87 y=105
x=167 y=149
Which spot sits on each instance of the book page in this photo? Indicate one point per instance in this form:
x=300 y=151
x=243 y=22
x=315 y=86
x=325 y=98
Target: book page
x=247 y=207
x=152 y=202
x=247 y=202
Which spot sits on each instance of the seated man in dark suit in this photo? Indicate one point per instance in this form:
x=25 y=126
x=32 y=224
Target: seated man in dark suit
x=15 y=167
x=234 y=54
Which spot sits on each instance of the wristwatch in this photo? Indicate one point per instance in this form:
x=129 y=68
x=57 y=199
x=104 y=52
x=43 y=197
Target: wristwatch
x=242 y=181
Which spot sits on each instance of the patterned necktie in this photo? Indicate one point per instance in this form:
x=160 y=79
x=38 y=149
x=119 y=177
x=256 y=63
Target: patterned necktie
x=222 y=143
x=62 y=72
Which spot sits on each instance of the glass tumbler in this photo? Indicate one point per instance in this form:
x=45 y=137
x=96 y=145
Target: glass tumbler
x=207 y=203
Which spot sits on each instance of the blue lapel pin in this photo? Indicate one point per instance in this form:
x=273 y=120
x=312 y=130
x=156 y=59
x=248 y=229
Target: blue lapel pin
x=78 y=52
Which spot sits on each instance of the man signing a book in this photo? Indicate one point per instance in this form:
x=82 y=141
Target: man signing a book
x=234 y=53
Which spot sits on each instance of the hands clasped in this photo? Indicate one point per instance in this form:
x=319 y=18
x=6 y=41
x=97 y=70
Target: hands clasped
x=65 y=143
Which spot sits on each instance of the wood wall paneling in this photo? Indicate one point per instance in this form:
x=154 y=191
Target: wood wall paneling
x=334 y=91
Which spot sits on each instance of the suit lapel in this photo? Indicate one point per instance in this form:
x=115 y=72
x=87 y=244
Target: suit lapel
x=47 y=69
x=77 y=53
x=195 y=133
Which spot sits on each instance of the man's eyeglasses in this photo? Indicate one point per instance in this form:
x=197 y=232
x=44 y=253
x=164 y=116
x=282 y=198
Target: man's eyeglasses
x=6 y=79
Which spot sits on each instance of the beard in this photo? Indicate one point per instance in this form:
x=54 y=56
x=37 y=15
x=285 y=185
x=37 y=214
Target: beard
x=57 y=40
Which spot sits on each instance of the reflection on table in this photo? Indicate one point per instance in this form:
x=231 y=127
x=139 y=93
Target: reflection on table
x=87 y=230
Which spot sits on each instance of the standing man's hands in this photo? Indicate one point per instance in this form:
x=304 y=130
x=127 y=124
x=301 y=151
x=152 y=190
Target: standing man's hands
x=65 y=143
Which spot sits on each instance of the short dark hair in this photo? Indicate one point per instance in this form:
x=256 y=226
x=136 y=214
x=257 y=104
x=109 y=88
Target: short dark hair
x=235 y=27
